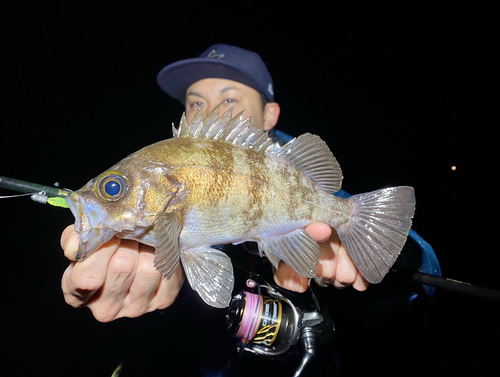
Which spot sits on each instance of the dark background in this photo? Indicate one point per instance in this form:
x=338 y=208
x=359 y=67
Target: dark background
x=400 y=91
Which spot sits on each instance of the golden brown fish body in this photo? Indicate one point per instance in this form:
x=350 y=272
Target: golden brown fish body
x=237 y=194
x=221 y=180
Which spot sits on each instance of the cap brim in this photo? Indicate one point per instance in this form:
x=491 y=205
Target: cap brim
x=177 y=77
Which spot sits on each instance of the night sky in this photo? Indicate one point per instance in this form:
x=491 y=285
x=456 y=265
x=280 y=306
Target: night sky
x=400 y=91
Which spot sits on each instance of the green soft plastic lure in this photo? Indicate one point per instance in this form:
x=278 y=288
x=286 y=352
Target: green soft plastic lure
x=57 y=201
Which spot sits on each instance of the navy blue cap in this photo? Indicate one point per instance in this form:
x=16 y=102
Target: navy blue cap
x=218 y=61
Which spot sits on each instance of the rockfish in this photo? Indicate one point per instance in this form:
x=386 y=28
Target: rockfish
x=220 y=180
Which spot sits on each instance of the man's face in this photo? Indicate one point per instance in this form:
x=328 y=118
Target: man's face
x=208 y=93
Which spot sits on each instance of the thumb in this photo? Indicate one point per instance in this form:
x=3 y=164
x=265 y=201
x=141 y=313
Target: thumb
x=69 y=242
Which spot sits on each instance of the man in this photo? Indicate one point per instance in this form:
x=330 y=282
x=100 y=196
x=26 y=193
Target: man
x=119 y=280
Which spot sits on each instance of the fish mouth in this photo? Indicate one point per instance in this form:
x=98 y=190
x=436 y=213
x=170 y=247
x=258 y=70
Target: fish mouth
x=90 y=220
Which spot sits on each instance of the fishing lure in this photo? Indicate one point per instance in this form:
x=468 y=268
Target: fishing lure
x=39 y=193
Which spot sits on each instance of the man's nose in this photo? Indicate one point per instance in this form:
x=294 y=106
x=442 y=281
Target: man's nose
x=209 y=107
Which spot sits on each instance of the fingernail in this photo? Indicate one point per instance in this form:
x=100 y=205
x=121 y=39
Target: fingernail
x=72 y=246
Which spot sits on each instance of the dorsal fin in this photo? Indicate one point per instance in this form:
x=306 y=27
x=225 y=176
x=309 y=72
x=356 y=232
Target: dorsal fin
x=307 y=153
x=225 y=128
x=311 y=155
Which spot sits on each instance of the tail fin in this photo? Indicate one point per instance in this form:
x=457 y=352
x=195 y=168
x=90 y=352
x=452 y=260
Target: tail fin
x=378 y=229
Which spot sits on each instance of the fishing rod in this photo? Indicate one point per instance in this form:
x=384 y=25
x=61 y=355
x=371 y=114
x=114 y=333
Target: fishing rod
x=451 y=285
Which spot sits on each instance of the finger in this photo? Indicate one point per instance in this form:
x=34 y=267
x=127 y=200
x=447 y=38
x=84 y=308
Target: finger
x=69 y=242
x=335 y=267
x=150 y=291
x=346 y=272
x=72 y=296
x=66 y=232
x=360 y=284
x=319 y=231
x=163 y=297
x=147 y=277
x=286 y=277
x=346 y=267
x=120 y=276
x=168 y=290
x=327 y=264
x=146 y=281
x=81 y=280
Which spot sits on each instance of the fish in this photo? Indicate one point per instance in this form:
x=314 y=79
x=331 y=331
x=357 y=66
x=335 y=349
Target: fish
x=221 y=179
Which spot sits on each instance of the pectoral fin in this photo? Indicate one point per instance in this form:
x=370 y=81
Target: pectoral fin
x=167 y=228
x=297 y=249
x=210 y=273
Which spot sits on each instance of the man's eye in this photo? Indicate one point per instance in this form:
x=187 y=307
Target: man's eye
x=230 y=100
x=197 y=105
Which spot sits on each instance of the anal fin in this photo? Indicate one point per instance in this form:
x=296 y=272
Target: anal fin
x=297 y=249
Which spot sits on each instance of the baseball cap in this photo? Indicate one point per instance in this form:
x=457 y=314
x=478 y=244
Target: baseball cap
x=218 y=61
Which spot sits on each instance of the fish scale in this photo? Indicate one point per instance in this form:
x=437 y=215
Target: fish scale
x=251 y=194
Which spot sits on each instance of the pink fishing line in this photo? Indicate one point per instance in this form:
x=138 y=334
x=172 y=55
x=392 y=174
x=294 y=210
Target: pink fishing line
x=250 y=320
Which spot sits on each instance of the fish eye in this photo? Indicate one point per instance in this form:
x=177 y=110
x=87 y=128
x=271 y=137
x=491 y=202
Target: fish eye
x=111 y=187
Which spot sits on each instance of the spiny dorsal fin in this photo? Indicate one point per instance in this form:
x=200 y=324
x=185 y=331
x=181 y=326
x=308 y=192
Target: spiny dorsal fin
x=308 y=153
x=226 y=128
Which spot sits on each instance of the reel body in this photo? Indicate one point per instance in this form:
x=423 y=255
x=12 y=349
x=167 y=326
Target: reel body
x=272 y=321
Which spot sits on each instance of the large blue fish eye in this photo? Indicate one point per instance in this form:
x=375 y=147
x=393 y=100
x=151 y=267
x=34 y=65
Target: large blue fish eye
x=111 y=187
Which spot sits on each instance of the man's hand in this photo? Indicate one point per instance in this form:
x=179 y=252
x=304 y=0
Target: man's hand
x=335 y=265
x=118 y=280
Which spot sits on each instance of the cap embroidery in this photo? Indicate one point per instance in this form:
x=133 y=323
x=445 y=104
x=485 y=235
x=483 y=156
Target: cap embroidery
x=270 y=89
x=214 y=55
